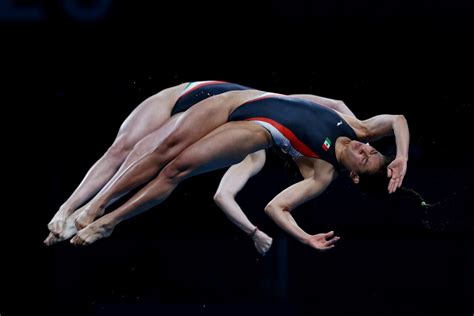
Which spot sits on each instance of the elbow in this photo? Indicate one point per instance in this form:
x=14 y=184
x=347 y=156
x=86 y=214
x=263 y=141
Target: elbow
x=272 y=209
x=401 y=117
x=400 y=120
x=339 y=104
x=268 y=209
x=221 y=197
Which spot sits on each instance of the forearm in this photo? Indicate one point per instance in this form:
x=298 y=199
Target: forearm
x=285 y=221
x=232 y=182
x=279 y=208
x=402 y=136
x=235 y=214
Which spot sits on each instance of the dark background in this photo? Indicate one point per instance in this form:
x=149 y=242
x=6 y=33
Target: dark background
x=74 y=70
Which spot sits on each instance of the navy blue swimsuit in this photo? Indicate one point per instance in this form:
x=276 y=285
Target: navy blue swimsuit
x=201 y=91
x=312 y=129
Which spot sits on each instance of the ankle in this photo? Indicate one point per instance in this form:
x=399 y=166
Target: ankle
x=66 y=208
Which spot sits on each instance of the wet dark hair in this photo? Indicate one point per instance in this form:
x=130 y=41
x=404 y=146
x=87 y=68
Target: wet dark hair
x=434 y=216
x=376 y=184
x=430 y=215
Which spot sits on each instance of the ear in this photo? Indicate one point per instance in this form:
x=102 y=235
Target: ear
x=354 y=176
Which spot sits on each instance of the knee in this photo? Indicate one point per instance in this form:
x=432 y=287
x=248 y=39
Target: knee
x=120 y=148
x=135 y=154
x=174 y=172
x=170 y=147
x=139 y=149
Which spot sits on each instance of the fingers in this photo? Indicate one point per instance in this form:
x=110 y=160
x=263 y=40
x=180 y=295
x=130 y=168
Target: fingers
x=396 y=172
x=263 y=248
x=391 y=185
x=329 y=235
x=400 y=181
x=332 y=242
x=326 y=248
x=395 y=183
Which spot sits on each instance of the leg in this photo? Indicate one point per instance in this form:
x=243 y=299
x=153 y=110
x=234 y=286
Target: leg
x=89 y=212
x=225 y=146
x=68 y=231
x=148 y=116
x=232 y=182
x=194 y=124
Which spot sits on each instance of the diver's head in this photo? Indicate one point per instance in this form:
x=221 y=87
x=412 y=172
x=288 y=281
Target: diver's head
x=360 y=158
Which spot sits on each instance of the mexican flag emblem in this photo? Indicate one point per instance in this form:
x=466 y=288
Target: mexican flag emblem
x=327 y=144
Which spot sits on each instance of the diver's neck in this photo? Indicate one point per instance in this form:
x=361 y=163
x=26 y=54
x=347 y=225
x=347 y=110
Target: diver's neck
x=340 y=149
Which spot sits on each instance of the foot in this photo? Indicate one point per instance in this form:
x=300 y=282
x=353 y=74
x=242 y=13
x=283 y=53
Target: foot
x=262 y=242
x=68 y=231
x=93 y=232
x=87 y=216
x=58 y=222
x=51 y=240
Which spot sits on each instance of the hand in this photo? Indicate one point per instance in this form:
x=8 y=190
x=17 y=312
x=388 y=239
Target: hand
x=396 y=172
x=324 y=241
x=262 y=242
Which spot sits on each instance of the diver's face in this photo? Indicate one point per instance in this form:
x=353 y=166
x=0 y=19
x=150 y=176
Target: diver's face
x=362 y=158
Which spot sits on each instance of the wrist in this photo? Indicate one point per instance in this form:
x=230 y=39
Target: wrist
x=305 y=240
x=253 y=232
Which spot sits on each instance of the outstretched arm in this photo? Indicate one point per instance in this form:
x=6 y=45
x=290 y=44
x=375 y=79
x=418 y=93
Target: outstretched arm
x=232 y=182
x=385 y=125
x=337 y=105
x=280 y=207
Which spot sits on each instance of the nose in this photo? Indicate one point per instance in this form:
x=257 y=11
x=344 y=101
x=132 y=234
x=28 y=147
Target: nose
x=366 y=148
x=357 y=145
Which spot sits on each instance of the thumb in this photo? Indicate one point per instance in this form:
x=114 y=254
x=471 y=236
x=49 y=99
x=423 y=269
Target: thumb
x=389 y=172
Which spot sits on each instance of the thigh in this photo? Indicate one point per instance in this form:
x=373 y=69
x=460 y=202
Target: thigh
x=206 y=116
x=151 y=114
x=153 y=140
x=225 y=146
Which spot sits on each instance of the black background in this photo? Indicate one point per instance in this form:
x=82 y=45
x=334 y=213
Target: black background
x=69 y=82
